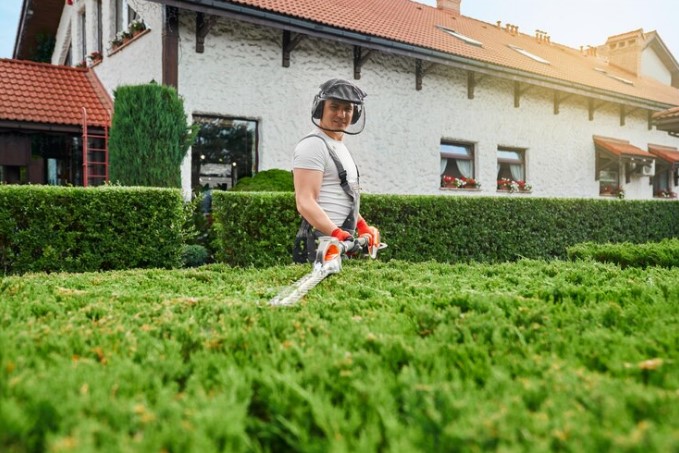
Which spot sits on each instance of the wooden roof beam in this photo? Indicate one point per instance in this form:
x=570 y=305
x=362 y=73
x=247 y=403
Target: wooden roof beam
x=420 y=72
x=289 y=44
x=359 y=60
x=558 y=99
x=203 y=26
x=518 y=91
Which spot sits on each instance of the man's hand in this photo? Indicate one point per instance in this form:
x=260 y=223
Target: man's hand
x=366 y=230
x=341 y=235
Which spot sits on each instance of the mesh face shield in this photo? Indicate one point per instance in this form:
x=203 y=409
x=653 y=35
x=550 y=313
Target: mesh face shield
x=338 y=92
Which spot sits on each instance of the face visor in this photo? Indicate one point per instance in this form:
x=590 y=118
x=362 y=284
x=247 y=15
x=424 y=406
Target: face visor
x=338 y=107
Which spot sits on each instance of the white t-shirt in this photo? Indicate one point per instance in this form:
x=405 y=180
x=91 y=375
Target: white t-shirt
x=312 y=154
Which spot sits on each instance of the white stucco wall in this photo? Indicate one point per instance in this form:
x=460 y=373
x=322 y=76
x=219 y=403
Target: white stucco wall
x=140 y=61
x=652 y=66
x=240 y=74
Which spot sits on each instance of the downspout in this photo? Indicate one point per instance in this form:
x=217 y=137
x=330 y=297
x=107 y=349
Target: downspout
x=170 y=45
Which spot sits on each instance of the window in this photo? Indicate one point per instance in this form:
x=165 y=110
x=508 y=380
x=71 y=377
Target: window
x=608 y=172
x=511 y=170
x=225 y=150
x=83 y=35
x=100 y=28
x=528 y=54
x=457 y=166
x=118 y=19
x=461 y=37
x=123 y=15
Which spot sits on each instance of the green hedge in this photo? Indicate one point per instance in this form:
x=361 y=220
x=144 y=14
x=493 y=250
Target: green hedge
x=274 y=180
x=73 y=229
x=259 y=229
x=664 y=253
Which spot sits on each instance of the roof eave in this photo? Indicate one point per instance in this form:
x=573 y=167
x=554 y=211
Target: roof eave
x=20 y=28
x=267 y=18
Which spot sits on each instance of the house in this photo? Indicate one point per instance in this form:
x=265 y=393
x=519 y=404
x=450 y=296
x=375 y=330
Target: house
x=455 y=106
x=54 y=124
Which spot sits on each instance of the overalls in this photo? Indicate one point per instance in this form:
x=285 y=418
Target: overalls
x=306 y=240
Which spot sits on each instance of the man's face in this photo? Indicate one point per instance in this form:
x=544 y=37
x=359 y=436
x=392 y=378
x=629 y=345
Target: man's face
x=337 y=114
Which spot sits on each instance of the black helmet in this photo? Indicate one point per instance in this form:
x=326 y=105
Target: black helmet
x=342 y=90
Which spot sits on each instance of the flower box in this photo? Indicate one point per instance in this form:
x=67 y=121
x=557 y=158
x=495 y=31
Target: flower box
x=451 y=182
x=509 y=185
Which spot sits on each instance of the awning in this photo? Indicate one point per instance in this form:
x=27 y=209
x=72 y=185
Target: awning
x=666 y=153
x=668 y=159
x=667 y=120
x=622 y=149
x=612 y=152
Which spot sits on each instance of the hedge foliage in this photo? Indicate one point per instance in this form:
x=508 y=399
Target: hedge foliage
x=664 y=253
x=531 y=356
x=149 y=136
x=71 y=229
x=274 y=180
x=259 y=229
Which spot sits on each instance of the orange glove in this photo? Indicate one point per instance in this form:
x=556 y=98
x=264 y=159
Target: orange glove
x=341 y=235
x=365 y=229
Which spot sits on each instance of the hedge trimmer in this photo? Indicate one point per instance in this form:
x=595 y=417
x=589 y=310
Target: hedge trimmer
x=328 y=261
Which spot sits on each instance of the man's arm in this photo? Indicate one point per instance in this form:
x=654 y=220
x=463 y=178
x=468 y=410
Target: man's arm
x=307 y=189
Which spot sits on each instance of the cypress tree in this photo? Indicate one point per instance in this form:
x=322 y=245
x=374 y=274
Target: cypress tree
x=149 y=136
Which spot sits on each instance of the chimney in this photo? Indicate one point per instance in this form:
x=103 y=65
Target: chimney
x=452 y=6
x=624 y=51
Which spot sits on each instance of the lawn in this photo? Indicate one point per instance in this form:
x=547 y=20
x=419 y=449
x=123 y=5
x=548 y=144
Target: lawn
x=385 y=356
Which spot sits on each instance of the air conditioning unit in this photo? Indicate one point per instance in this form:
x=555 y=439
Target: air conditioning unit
x=648 y=170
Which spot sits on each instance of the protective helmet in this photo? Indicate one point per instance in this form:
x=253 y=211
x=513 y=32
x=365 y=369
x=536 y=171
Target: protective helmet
x=344 y=91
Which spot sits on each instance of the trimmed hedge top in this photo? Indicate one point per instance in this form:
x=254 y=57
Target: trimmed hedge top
x=259 y=228
x=73 y=229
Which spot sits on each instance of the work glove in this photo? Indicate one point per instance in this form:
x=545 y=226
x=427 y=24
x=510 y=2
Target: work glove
x=341 y=235
x=366 y=230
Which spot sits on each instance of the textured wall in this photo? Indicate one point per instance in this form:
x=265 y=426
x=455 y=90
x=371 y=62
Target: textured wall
x=240 y=75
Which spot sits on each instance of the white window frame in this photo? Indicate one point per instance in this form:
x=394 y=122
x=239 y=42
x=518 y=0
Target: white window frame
x=458 y=161
x=506 y=158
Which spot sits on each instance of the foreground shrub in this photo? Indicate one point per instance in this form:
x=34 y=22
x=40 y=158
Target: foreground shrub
x=76 y=229
x=664 y=253
x=383 y=357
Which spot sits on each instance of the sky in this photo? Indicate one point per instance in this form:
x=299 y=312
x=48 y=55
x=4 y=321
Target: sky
x=574 y=23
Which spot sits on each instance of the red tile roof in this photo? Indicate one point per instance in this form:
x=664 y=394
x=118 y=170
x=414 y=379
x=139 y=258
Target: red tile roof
x=415 y=24
x=620 y=148
x=45 y=93
x=666 y=153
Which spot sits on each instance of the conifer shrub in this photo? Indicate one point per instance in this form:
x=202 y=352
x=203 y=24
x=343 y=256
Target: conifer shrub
x=149 y=136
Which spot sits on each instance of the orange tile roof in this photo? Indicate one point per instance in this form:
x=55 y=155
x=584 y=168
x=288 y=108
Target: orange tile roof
x=415 y=24
x=45 y=93
x=620 y=148
x=666 y=153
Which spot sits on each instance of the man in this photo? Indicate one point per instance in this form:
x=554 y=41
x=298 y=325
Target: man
x=324 y=172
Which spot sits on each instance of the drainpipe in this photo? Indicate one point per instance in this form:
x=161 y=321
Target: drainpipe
x=171 y=46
